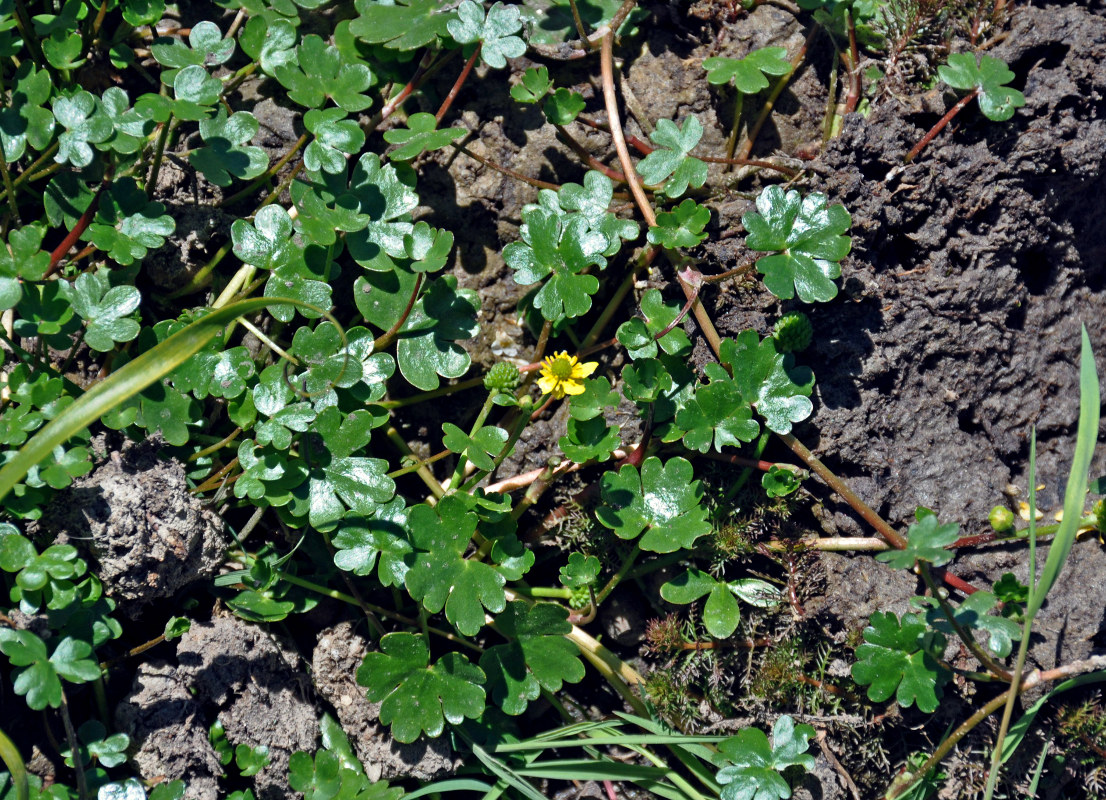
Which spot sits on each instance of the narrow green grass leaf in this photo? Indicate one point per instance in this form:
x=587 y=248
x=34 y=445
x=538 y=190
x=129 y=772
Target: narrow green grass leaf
x=591 y=769
x=14 y=762
x=453 y=785
x=1087 y=436
x=601 y=740
x=123 y=384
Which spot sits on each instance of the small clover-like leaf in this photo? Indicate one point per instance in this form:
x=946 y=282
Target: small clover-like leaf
x=925 y=541
x=251 y=760
x=580 y=571
x=752 y=766
x=23 y=259
x=105 y=309
x=639 y=337
x=779 y=482
x=416 y=697
x=535 y=85
x=663 y=502
x=37 y=676
x=441 y=577
x=997 y=101
x=270 y=43
x=681 y=227
x=589 y=440
x=768 y=379
x=596 y=396
x=537 y=655
x=163 y=408
x=972 y=615
x=403 y=25
x=216 y=372
x=320 y=72
x=717 y=415
x=481 y=448
x=494 y=32
x=335 y=138
x=748 y=73
x=808 y=238
x=428 y=248
x=24 y=120
x=721 y=614
x=226 y=155
x=196 y=92
x=593 y=201
x=306 y=276
x=85 y=123
x=560 y=248
x=206 y=46
x=127 y=225
x=386 y=198
x=563 y=106
x=364 y=542
x=421 y=136
x=898 y=658
x=670 y=162
x=267 y=242
x=427 y=346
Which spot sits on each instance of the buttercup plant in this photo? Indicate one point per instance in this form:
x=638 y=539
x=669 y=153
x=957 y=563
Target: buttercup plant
x=315 y=381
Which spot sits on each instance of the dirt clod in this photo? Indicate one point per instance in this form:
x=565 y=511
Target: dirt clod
x=255 y=684
x=133 y=515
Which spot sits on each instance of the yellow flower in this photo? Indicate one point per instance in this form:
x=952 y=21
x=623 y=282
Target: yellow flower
x=562 y=374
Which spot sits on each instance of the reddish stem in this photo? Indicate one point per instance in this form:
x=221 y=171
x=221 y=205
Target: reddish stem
x=74 y=235
x=941 y=123
x=389 y=336
x=565 y=137
x=854 y=68
x=449 y=98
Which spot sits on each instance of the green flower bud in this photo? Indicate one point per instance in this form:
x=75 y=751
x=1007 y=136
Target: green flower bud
x=579 y=598
x=793 y=332
x=1001 y=519
x=1099 y=511
x=503 y=377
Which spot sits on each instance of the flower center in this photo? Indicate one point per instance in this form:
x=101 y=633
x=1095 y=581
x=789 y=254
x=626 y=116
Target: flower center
x=561 y=368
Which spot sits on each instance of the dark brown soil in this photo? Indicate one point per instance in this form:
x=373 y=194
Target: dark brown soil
x=955 y=332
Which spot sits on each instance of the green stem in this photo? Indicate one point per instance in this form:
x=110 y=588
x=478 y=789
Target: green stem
x=385 y=340
x=423 y=471
x=266 y=176
x=552 y=592
x=202 y=277
x=420 y=464
x=462 y=460
x=965 y=636
x=781 y=84
x=28 y=173
x=617 y=578
x=520 y=424
x=731 y=143
x=334 y=594
x=9 y=188
x=159 y=153
x=433 y=394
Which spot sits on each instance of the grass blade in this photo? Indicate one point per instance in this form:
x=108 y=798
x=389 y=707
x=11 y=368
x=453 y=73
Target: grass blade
x=1076 y=492
x=128 y=381
x=9 y=753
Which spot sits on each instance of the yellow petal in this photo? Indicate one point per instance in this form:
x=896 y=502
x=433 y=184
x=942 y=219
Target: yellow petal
x=547 y=383
x=572 y=387
x=580 y=371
